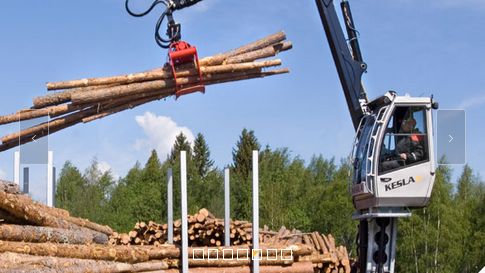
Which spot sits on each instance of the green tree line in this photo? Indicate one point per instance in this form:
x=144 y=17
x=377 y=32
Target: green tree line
x=447 y=236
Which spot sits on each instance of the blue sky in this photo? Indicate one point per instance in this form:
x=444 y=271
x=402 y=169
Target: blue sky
x=416 y=47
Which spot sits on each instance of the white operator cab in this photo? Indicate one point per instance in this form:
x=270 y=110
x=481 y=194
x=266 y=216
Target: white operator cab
x=393 y=156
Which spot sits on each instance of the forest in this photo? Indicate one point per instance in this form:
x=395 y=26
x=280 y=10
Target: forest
x=447 y=236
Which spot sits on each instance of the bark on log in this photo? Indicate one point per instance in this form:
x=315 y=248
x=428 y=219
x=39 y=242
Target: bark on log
x=142 y=89
x=158 y=74
x=266 y=52
x=9 y=187
x=90 y=225
x=264 y=42
x=42 y=129
x=21 y=208
x=60 y=97
x=299 y=267
x=162 y=86
x=36 y=113
x=197 y=253
x=128 y=254
x=37 y=234
x=64 y=214
x=322 y=243
x=6 y=217
x=165 y=93
x=14 y=261
x=229 y=262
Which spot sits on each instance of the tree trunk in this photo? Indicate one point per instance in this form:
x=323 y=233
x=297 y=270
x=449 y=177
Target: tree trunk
x=14 y=261
x=9 y=187
x=6 y=217
x=37 y=234
x=158 y=74
x=262 y=43
x=266 y=52
x=300 y=267
x=24 y=208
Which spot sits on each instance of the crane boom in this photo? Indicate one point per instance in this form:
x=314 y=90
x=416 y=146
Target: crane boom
x=350 y=66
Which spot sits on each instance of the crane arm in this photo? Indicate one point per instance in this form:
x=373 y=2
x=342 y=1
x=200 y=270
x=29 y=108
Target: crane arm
x=350 y=66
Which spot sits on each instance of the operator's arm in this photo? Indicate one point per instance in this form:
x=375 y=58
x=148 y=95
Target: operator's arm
x=410 y=149
x=416 y=152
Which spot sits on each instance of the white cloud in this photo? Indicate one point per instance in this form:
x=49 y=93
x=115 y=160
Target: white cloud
x=104 y=166
x=3 y=174
x=472 y=102
x=161 y=132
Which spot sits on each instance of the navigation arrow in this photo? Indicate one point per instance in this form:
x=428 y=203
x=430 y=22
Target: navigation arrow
x=451 y=139
x=33 y=138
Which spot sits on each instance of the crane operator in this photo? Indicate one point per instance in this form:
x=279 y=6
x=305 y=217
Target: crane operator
x=408 y=149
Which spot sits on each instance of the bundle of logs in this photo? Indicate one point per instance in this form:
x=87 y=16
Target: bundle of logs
x=205 y=230
x=86 y=100
x=37 y=238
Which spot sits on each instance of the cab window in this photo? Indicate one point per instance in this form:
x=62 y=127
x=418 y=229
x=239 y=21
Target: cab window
x=405 y=142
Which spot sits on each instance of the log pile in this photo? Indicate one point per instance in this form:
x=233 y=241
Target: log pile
x=22 y=219
x=37 y=238
x=205 y=230
x=86 y=100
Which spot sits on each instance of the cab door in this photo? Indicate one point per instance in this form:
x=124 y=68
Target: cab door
x=405 y=163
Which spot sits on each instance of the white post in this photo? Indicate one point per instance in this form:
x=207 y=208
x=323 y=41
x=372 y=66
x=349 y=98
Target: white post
x=183 y=189
x=16 y=168
x=170 y=205
x=50 y=179
x=227 y=210
x=255 y=253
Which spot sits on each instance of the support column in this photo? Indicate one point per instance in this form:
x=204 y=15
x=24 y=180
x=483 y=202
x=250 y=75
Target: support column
x=50 y=178
x=16 y=167
x=170 y=205
x=54 y=187
x=256 y=254
x=183 y=190
x=227 y=209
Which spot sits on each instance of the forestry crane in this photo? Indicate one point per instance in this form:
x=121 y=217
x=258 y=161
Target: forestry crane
x=393 y=157
x=179 y=52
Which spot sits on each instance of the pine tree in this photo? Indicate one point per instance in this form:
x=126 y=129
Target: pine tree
x=201 y=156
x=181 y=144
x=240 y=183
x=243 y=153
x=150 y=191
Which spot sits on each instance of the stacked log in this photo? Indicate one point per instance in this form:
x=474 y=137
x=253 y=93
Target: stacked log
x=48 y=257
x=204 y=229
x=37 y=238
x=22 y=219
x=86 y=100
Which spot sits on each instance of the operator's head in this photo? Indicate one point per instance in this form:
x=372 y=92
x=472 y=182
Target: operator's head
x=408 y=125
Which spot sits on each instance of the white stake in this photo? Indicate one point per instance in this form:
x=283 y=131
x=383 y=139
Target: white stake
x=227 y=210
x=255 y=253
x=170 y=205
x=183 y=189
